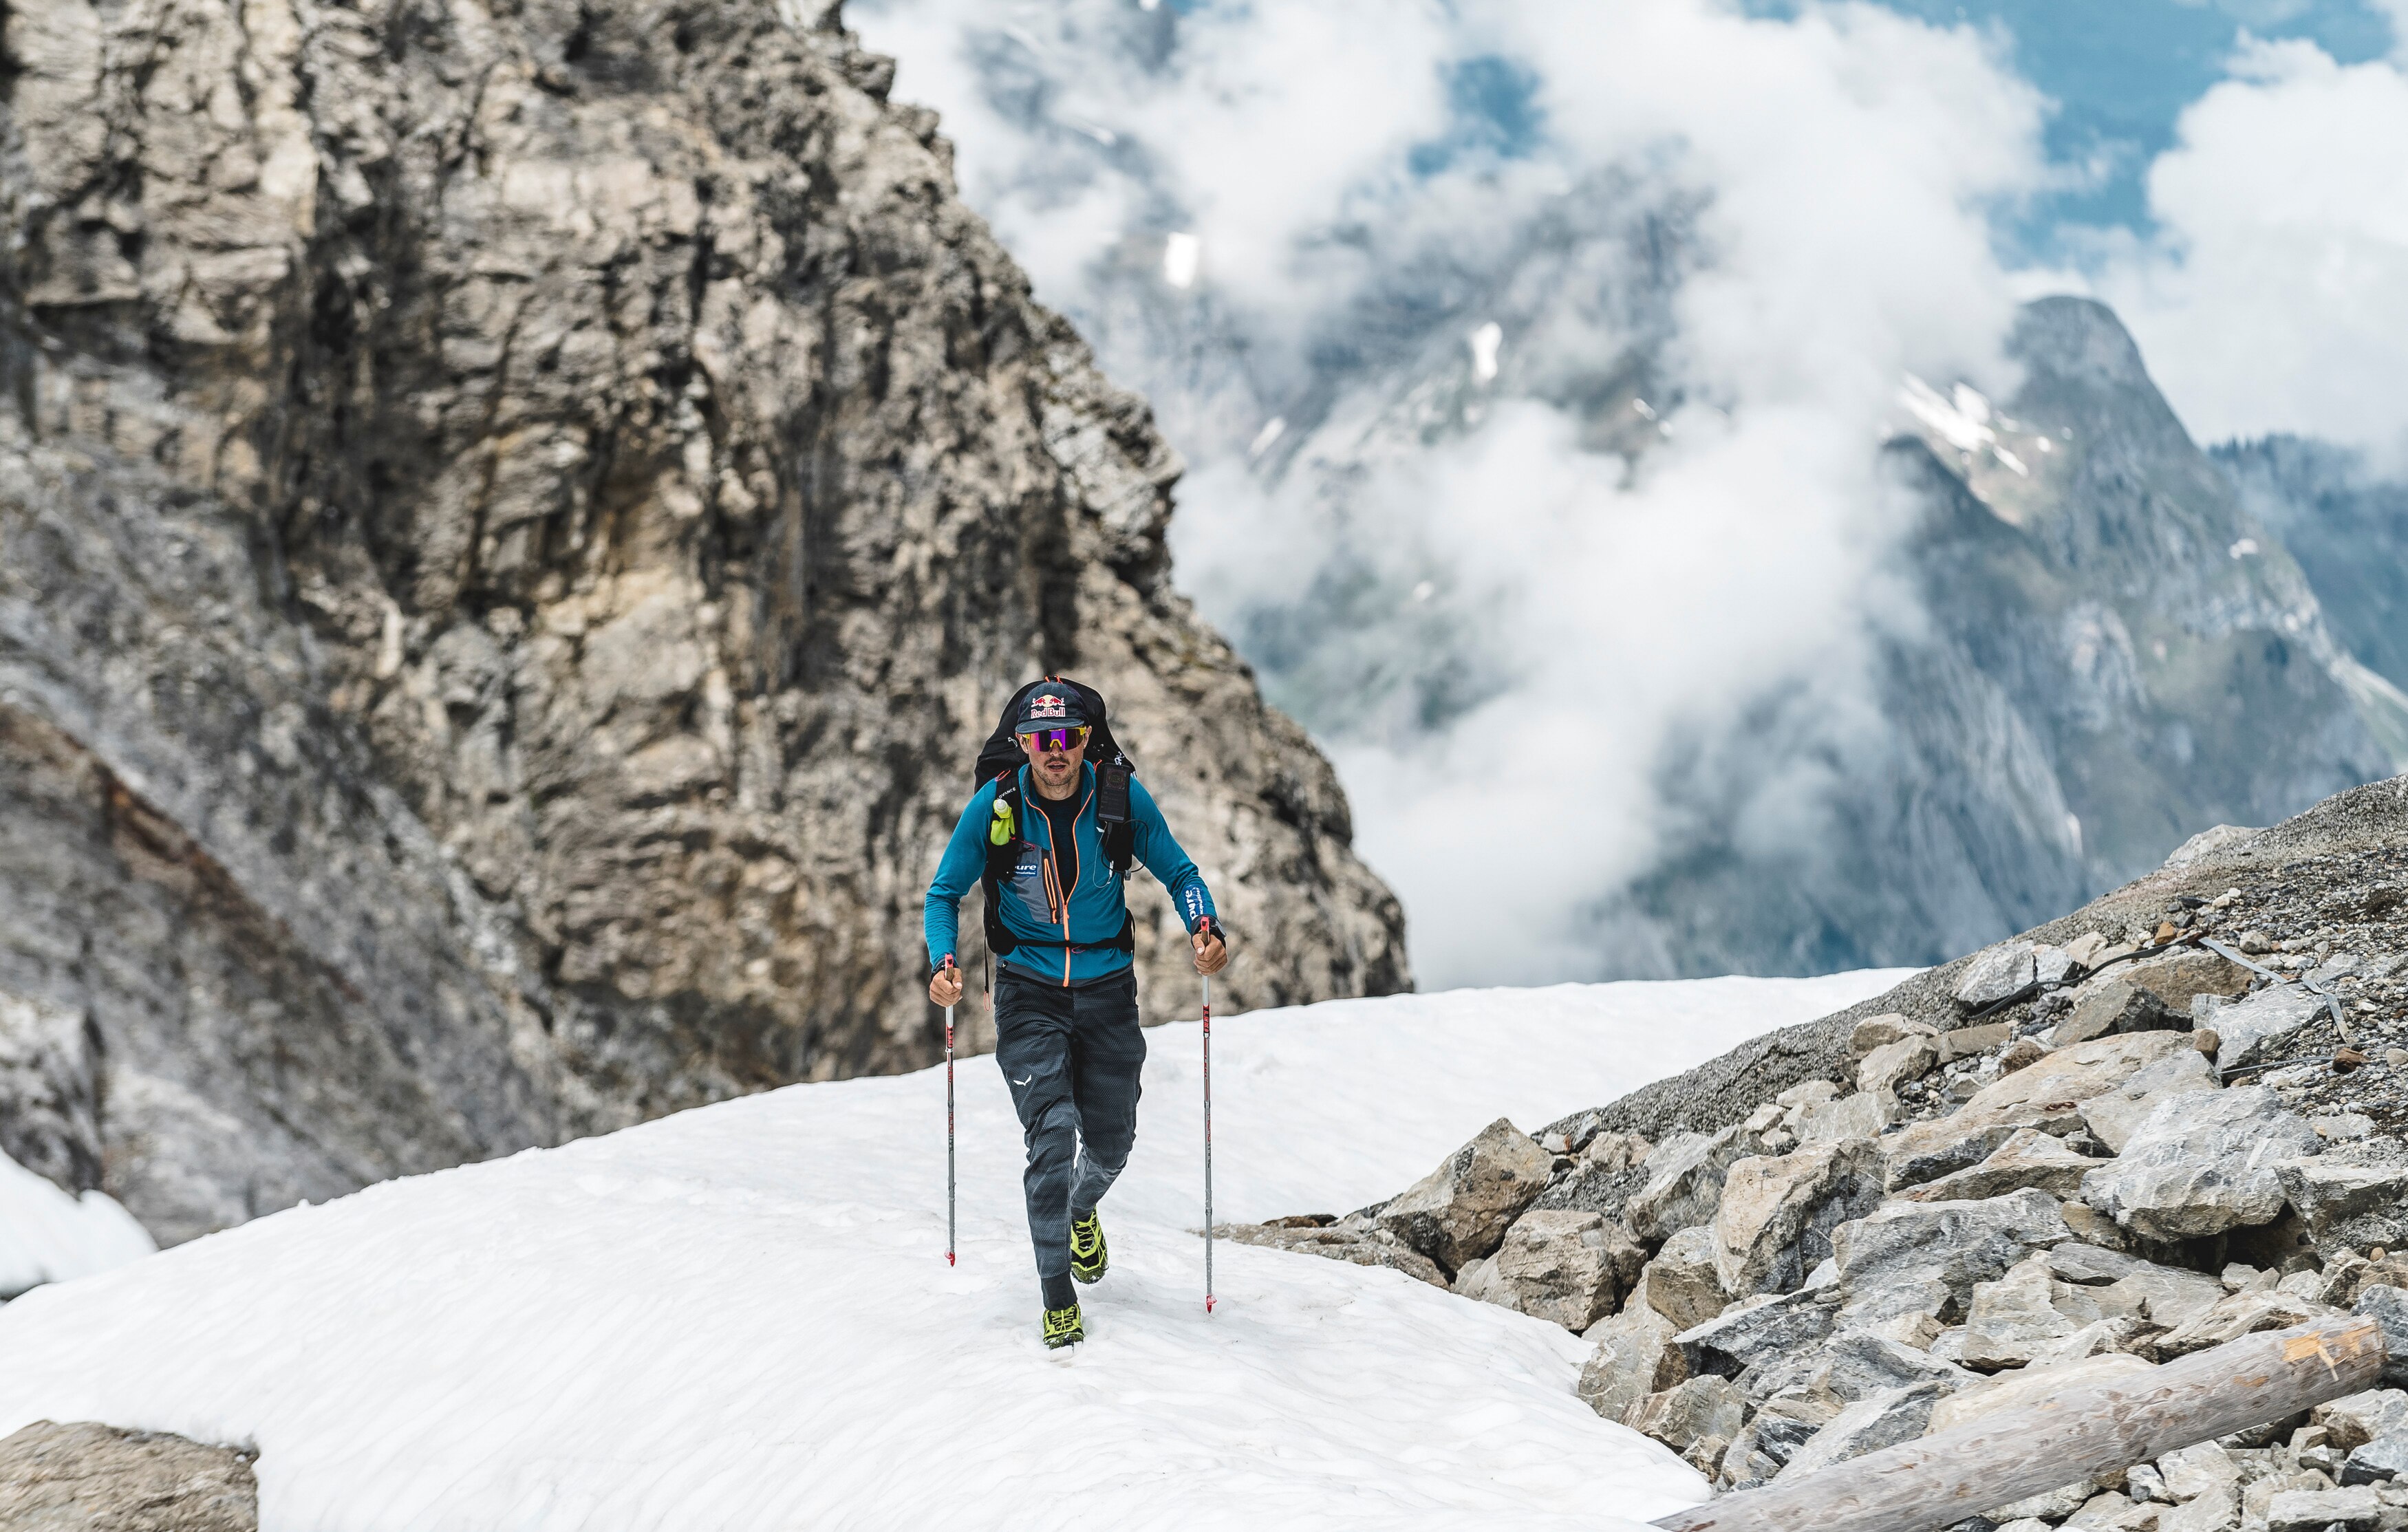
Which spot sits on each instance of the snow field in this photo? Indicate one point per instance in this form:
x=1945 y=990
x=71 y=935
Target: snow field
x=741 y=1316
x=48 y=1234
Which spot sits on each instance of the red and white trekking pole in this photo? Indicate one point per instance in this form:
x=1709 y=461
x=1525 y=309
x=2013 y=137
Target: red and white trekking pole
x=948 y=1124
x=1204 y=927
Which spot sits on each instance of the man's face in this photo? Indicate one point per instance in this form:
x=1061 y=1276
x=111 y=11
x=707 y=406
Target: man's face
x=1052 y=767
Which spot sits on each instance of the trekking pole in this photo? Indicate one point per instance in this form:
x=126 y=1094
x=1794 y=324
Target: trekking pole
x=1205 y=926
x=949 y=1126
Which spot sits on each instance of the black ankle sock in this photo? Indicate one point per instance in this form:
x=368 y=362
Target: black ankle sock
x=1059 y=1294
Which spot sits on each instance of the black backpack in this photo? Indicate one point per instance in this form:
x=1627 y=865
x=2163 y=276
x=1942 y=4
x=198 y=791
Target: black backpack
x=999 y=761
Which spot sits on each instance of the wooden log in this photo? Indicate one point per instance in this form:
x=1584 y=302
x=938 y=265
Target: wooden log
x=1938 y=1480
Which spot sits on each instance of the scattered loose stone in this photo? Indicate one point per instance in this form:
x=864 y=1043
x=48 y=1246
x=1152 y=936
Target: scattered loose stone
x=1697 y=1419
x=1881 y=1419
x=2354 y=1509
x=1776 y=1217
x=1635 y=1357
x=1907 y=1258
x=1679 y=1284
x=1459 y=1211
x=2199 y=1165
x=2028 y=1158
x=1758 y=1330
x=2045 y=1096
x=2199 y=1469
x=1571 y=1268
x=1875 y=1031
x=1684 y=1181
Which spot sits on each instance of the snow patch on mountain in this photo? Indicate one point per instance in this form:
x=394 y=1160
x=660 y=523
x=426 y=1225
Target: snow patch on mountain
x=741 y=1316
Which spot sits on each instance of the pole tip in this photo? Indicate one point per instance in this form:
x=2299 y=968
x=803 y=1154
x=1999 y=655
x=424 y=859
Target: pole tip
x=1207 y=1303
x=949 y=1258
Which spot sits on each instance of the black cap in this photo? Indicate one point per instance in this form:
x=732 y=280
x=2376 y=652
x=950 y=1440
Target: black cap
x=1052 y=705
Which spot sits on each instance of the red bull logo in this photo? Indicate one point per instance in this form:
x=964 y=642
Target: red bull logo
x=1047 y=707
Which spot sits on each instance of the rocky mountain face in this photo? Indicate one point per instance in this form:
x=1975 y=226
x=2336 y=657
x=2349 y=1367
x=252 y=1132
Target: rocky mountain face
x=2347 y=527
x=2114 y=654
x=2171 y=1120
x=517 y=521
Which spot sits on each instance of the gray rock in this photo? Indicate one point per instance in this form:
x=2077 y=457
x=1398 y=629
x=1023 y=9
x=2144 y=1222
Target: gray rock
x=2356 y=1419
x=1681 y=1283
x=1766 y=1443
x=1351 y=1242
x=1775 y=1219
x=1887 y=1027
x=1635 y=1356
x=1857 y=1116
x=2098 y=1338
x=2101 y=1512
x=2046 y=1096
x=1571 y=1268
x=2050 y=1507
x=1459 y=1211
x=2200 y=1469
x=2179 y=978
x=1909 y=1256
x=1697 y=1419
x=2201 y=1165
x=1879 y=1420
x=89 y=1478
x=1996 y=973
x=1966 y=1041
x=1753 y=1332
x=2379 y=1461
x=2387 y=1306
x=2114 y=1116
x=1852 y=1364
x=2089 y=1264
x=2327 y=1192
x=2011 y=1322
x=2217 y=1510
x=2233 y=1316
x=2264 y=1027
x=2162 y=1294
x=2354 y=1509
x=2118 y=1006
x=1684 y=1181
x=2028 y=1158
x=1910 y=1057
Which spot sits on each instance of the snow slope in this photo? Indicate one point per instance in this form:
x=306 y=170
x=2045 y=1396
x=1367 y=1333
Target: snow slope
x=48 y=1234
x=740 y=1317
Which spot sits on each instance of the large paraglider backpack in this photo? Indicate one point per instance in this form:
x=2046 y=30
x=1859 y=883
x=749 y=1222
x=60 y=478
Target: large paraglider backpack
x=999 y=762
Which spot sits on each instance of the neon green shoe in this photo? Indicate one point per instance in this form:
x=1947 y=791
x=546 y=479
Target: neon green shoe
x=1062 y=1328
x=1089 y=1259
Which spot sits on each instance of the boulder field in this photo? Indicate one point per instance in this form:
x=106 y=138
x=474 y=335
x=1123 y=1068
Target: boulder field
x=2168 y=1121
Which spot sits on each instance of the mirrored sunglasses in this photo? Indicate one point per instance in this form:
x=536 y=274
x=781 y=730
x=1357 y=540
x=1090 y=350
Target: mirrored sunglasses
x=1047 y=739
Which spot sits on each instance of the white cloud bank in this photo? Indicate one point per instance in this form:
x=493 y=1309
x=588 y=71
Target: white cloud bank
x=1375 y=261
x=2274 y=296
x=1824 y=187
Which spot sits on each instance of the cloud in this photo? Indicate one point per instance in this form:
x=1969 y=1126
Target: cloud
x=1708 y=246
x=2275 y=296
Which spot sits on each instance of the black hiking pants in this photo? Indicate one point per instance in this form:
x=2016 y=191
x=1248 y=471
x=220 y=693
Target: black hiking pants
x=1071 y=1057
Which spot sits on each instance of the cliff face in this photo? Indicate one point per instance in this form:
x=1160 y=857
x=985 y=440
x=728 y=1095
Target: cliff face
x=516 y=521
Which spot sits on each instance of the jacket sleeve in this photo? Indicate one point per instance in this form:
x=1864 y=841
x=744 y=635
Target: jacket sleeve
x=1163 y=857
x=964 y=864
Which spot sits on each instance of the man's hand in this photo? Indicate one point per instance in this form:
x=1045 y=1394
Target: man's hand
x=1212 y=952
x=945 y=985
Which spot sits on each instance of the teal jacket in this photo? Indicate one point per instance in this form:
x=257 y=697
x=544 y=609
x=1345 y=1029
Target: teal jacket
x=1070 y=894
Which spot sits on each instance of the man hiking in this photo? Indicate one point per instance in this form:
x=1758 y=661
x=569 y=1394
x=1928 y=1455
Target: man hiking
x=1049 y=840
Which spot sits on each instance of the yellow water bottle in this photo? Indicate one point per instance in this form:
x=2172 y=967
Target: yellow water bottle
x=999 y=829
